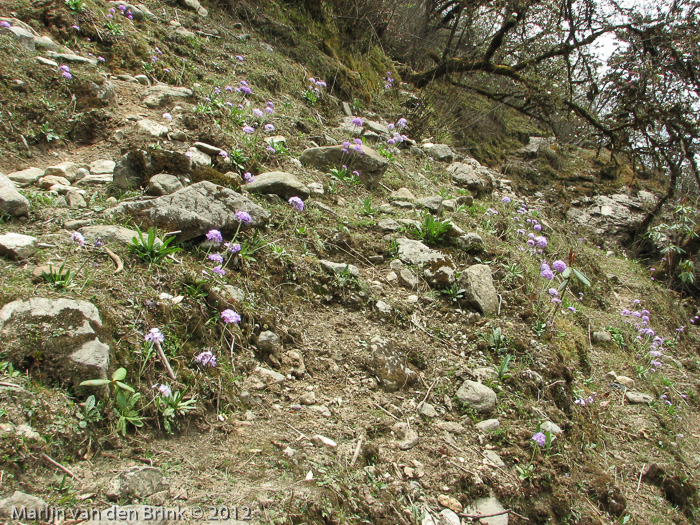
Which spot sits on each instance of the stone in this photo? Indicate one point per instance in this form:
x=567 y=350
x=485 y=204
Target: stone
x=339 y=268
x=477 y=396
x=479 y=290
x=12 y=202
x=44 y=42
x=427 y=410
x=440 y=152
x=109 y=233
x=160 y=95
x=550 y=427
x=19 y=500
x=450 y=502
x=448 y=517
x=66 y=170
x=407 y=279
x=389 y=366
x=370 y=164
x=198 y=157
x=194 y=5
x=488 y=425
x=143 y=80
x=136 y=483
x=181 y=32
x=625 y=381
x=471 y=242
x=309 y=398
x=432 y=204
x=493 y=458
x=417 y=253
x=601 y=337
x=72 y=58
x=269 y=375
x=194 y=210
x=451 y=427
x=402 y=194
x=47 y=181
x=616 y=216
x=471 y=176
x=323 y=410
x=24 y=177
x=17 y=246
x=484 y=373
x=152 y=128
x=318 y=439
x=383 y=307
x=279 y=183
x=388 y=225
x=75 y=200
x=24 y=37
x=46 y=62
x=638 y=398
x=408 y=438
x=488 y=507
x=316 y=188
x=270 y=343
x=67 y=350
x=439 y=275
x=163 y=184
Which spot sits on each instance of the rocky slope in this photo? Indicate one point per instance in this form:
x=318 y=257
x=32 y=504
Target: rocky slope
x=288 y=309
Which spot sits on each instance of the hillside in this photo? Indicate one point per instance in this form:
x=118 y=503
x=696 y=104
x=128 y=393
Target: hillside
x=302 y=291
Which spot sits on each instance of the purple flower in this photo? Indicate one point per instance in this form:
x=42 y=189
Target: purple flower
x=356 y=173
x=240 y=58
x=357 y=121
x=270 y=104
x=215 y=235
x=242 y=216
x=67 y=75
x=553 y=292
x=541 y=241
x=505 y=200
x=391 y=142
x=357 y=148
x=571 y=309
x=248 y=129
x=269 y=127
x=228 y=316
x=168 y=117
x=257 y=113
x=625 y=312
x=269 y=110
x=248 y=177
x=390 y=126
x=223 y=154
x=540 y=438
x=78 y=238
x=5 y=24
x=163 y=389
x=233 y=247
x=559 y=266
x=130 y=15
x=321 y=83
x=206 y=359
x=101 y=59
x=401 y=123
x=245 y=90
x=297 y=203
x=215 y=257
x=547 y=274
x=218 y=270
x=155 y=336
x=537 y=227
x=99 y=243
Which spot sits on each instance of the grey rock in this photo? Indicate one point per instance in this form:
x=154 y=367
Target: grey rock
x=24 y=37
x=625 y=381
x=638 y=398
x=408 y=438
x=439 y=275
x=472 y=176
x=432 y=204
x=109 y=233
x=270 y=343
x=601 y=337
x=66 y=170
x=44 y=42
x=198 y=157
x=536 y=144
x=72 y=58
x=488 y=425
x=477 y=396
x=17 y=246
x=389 y=365
x=46 y=62
x=448 y=517
x=152 y=128
x=451 y=427
x=550 y=427
x=210 y=150
x=279 y=183
x=27 y=176
x=323 y=410
x=407 y=279
x=471 y=242
x=143 y=80
x=92 y=180
x=183 y=33
x=427 y=410
x=484 y=374
x=494 y=458
x=20 y=500
x=69 y=350
x=75 y=200
x=383 y=307
x=12 y=202
x=163 y=184
x=308 y=399
x=479 y=290
x=269 y=375
x=136 y=483
x=337 y=268
x=402 y=194
x=371 y=164
x=487 y=507
x=388 y=225
x=194 y=5
x=47 y=181
x=441 y=152
x=615 y=216
x=195 y=210
x=160 y=95
x=415 y=252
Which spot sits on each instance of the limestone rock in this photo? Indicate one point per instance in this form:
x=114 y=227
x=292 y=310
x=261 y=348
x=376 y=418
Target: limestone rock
x=415 y=252
x=163 y=184
x=109 y=233
x=17 y=246
x=270 y=343
x=477 y=396
x=279 y=183
x=20 y=500
x=59 y=335
x=441 y=152
x=27 y=176
x=439 y=275
x=195 y=210
x=337 y=268
x=160 y=95
x=472 y=176
x=402 y=194
x=616 y=216
x=551 y=427
x=194 y=5
x=487 y=507
x=389 y=365
x=370 y=164
x=601 y=337
x=488 y=425
x=638 y=398
x=269 y=375
x=75 y=199
x=479 y=290
x=136 y=483
x=152 y=128
x=408 y=438
x=102 y=167
x=70 y=171
x=427 y=410
x=12 y=202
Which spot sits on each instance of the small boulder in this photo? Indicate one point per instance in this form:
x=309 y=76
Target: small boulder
x=477 y=396
x=488 y=425
x=68 y=170
x=370 y=164
x=12 y=202
x=24 y=177
x=136 y=483
x=479 y=290
x=339 y=268
x=160 y=95
x=601 y=337
x=20 y=500
x=441 y=152
x=17 y=246
x=279 y=183
x=638 y=398
x=389 y=365
x=163 y=184
x=488 y=507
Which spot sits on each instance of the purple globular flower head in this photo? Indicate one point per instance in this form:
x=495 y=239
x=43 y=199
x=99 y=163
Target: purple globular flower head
x=531 y=243
x=269 y=127
x=270 y=104
x=206 y=359
x=270 y=149
x=540 y=438
x=269 y=110
x=357 y=121
x=223 y=154
x=66 y=75
x=391 y=142
x=248 y=177
x=243 y=216
x=245 y=90
x=357 y=148
x=541 y=241
x=571 y=309
x=356 y=173
x=240 y=58
x=168 y=117
x=76 y=27
x=297 y=203
x=229 y=89
x=5 y=24
x=215 y=257
x=130 y=15
x=636 y=314
x=101 y=59
x=401 y=123
x=390 y=126
x=215 y=235
x=537 y=227
x=559 y=266
x=228 y=316
x=155 y=336
x=165 y=69
x=78 y=238
x=121 y=7
x=257 y=113
x=547 y=274
x=218 y=270
x=248 y=129
x=163 y=389
x=625 y=312
x=321 y=83
x=553 y=292
x=229 y=104
x=233 y=247
x=505 y=200
x=556 y=300
x=99 y=243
